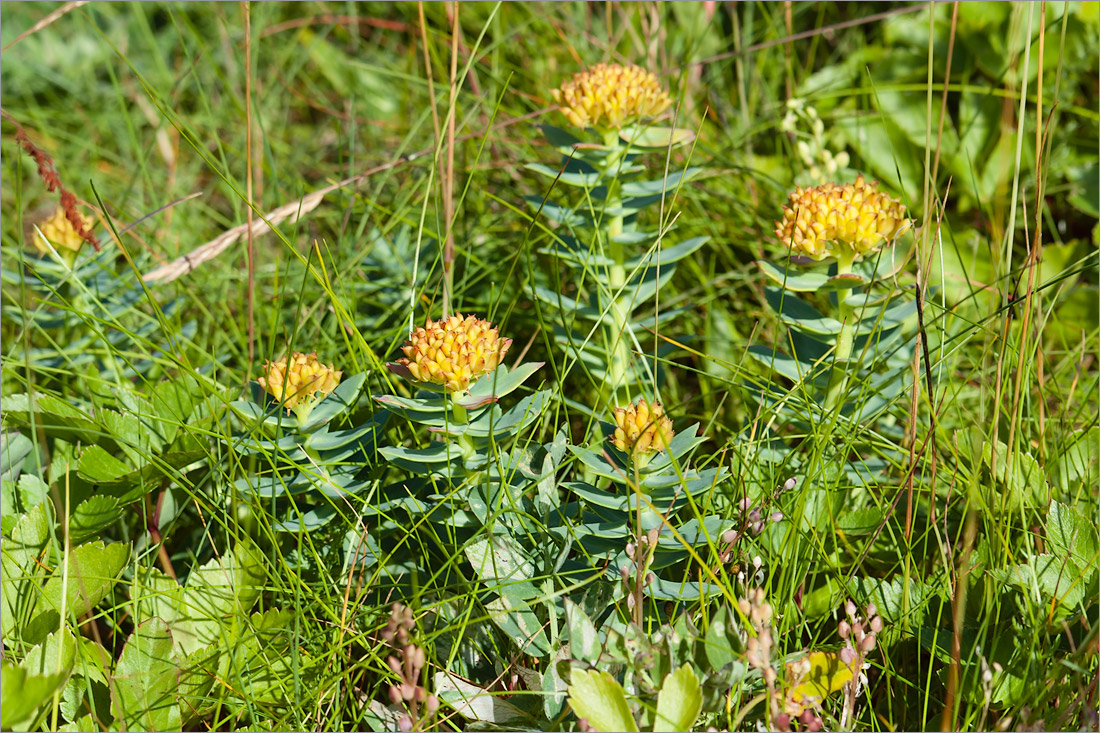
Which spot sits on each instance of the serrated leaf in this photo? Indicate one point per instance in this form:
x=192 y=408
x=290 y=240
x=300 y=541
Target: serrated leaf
x=20 y=568
x=146 y=680
x=1072 y=535
x=92 y=515
x=679 y=701
x=600 y=700
x=97 y=465
x=86 y=576
x=23 y=694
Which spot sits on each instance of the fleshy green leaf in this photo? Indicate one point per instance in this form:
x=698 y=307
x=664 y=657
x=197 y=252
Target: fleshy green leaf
x=599 y=699
x=584 y=640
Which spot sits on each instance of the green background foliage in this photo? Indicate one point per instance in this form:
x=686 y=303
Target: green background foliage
x=178 y=553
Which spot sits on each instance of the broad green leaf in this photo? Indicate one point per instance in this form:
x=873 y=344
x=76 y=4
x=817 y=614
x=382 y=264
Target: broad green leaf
x=147 y=679
x=679 y=701
x=514 y=616
x=83 y=580
x=599 y=699
x=584 y=640
x=23 y=693
x=476 y=703
x=503 y=381
x=499 y=560
x=658 y=186
x=342 y=399
x=722 y=643
x=650 y=136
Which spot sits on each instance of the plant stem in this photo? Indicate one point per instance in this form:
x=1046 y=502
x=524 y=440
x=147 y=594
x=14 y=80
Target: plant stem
x=839 y=377
x=617 y=328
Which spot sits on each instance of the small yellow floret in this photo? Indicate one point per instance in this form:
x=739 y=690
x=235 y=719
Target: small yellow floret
x=855 y=216
x=642 y=428
x=610 y=96
x=453 y=352
x=302 y=382
x=61 y=234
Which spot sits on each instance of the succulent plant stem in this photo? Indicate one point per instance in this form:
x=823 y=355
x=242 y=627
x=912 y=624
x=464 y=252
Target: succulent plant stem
x=839 y=377
x=620 y=307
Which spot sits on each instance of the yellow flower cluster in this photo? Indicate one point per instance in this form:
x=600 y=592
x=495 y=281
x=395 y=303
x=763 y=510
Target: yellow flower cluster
x=855 y=216
x=642 y=428
x=609 y=96
x=453 y=352
x=301 y=380
x=61 y=234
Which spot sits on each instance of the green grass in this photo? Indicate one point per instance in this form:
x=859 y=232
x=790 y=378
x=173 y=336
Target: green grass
x=143 y=106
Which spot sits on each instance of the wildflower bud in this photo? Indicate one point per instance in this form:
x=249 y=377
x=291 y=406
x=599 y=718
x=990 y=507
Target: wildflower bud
x=850 y=609
x=776 y=516
x=855 y=216
x=394 y=664
x=421 y=694
x=843 y=629
x=757 y=527
x=745 y=504
x=782 y=721
x=630 y=550
x=611 y=96
x=299 y=382
x=452 y=352
x=404 y=724
x=395 y=695
x=432 y=704
x=790 y=483
x=756 y=563
x=754 y=515
x=729 y=536
x=847 y=655
x=624 y=571
x=744 y=606
x=408 y=690
x=867 y=644
x=642 y=429
x=769 y=675
x=876 y=624
x=649 y=578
